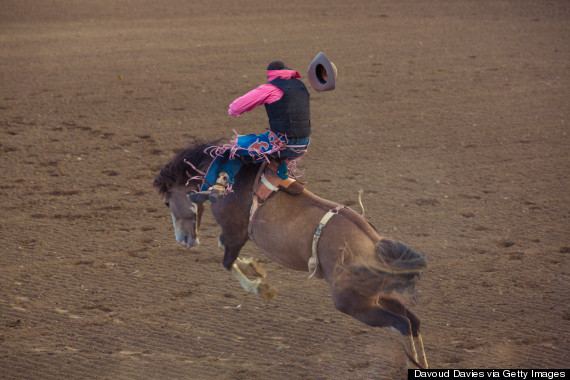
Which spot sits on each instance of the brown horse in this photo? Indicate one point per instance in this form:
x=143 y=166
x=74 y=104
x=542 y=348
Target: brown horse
x=361 y=268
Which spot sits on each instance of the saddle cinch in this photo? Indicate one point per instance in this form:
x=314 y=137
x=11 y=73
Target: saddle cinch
x=272 y=177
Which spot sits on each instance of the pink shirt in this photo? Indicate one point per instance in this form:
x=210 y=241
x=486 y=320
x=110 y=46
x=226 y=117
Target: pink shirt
x=266 y=93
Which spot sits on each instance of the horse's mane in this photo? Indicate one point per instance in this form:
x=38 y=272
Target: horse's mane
x=175 y=173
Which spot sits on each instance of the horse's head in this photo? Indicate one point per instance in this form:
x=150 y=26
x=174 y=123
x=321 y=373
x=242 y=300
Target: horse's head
x=173 y=183
x=186 y=216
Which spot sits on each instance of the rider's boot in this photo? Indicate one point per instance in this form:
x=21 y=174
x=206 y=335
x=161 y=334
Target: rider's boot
x=218 y=190
x=215 y=192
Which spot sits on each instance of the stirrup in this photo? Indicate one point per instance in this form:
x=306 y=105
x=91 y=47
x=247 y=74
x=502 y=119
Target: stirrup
x=214 y=193
x=218 y=190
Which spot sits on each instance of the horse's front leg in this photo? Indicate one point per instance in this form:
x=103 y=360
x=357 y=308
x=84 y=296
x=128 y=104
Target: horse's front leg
x=233 y=264
x=249 y=266
x=257 y=287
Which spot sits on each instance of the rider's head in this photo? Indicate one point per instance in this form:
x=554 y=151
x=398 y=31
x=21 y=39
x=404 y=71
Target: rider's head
x=276 y=65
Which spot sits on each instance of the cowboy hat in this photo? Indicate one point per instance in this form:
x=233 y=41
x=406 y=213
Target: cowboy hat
x=322 y=73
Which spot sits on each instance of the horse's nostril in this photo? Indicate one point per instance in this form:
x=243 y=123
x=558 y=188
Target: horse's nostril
x=188 y=242
x=182 y=244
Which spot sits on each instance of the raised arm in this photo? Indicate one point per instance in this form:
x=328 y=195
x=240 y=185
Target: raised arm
x=266 y=93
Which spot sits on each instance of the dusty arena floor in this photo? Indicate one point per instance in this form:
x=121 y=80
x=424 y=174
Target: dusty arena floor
x=452 y=116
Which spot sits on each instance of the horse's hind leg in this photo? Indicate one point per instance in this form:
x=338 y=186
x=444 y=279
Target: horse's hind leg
x=367 y=310
x=397 y=307
x=423 y=358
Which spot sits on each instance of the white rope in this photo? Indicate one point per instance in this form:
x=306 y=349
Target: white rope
x=314 y=260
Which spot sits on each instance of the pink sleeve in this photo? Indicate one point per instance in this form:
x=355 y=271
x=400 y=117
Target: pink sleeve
x=266 y=93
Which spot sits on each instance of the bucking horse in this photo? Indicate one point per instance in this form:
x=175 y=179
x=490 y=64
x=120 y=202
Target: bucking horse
x=303 y=232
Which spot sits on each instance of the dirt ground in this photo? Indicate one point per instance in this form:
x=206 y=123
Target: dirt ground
x=452 y=116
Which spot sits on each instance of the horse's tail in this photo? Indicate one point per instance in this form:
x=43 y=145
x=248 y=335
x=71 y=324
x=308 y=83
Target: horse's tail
x=399 y=258
x=396 y=269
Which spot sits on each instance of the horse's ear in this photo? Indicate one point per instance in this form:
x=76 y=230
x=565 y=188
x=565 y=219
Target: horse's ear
x=322 y=73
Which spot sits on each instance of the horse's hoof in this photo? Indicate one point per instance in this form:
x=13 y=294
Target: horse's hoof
x=250 y=267
x=255 y=270
x=267 y=291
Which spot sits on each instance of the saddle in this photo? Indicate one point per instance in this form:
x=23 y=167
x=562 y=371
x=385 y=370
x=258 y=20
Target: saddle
x=272 y=177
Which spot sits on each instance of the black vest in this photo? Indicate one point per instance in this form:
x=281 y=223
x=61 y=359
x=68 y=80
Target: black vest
x=290 y=115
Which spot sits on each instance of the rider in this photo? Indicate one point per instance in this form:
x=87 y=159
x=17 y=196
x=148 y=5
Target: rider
x=286 y=102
